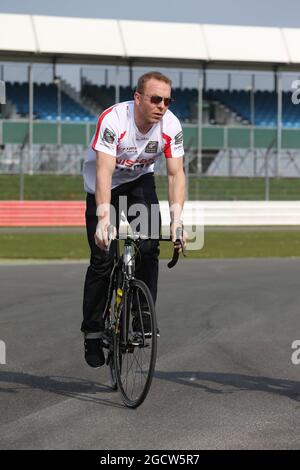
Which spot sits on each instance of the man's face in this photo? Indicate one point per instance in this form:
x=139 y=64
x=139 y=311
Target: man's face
x=148 y=111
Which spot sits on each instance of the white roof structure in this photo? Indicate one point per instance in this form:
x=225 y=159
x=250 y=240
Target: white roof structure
x=123 y=42
x=16 y=34
x=150 y=39
x=245 y=44
x=77 y=36
x=292 y=40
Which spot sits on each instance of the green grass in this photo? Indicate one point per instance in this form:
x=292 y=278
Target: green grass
x=42 y=187
x=218 y=244
x=62 y=187
x=219 y=188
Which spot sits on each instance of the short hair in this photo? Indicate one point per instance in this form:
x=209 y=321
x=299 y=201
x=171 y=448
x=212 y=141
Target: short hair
x=147 y=76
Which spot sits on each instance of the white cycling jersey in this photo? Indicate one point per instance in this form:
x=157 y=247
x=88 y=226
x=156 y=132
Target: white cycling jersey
x=117 y=135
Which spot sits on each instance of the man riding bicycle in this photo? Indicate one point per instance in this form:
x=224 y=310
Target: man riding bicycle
x=129 y=138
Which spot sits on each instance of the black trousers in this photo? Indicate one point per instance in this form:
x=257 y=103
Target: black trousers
x=140 y=191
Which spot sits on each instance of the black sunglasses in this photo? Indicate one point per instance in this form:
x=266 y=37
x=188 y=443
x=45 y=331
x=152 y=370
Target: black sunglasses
x=155 y=99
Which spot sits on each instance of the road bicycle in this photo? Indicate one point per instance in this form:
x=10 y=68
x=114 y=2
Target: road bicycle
x=130 y=334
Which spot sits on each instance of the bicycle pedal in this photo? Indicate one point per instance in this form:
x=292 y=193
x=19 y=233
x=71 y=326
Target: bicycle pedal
x=137 y=340
x=104 y=343
x=149 y=335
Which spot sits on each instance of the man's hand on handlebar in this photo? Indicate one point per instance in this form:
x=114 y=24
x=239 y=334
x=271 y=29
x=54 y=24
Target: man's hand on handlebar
x=101 y=235
x=104 y=234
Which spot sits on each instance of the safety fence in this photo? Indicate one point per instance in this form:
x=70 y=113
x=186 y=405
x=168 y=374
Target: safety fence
x=201 y=213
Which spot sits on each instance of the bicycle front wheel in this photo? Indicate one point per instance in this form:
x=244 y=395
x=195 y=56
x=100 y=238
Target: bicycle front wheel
x=136 y=344
x=112 y=372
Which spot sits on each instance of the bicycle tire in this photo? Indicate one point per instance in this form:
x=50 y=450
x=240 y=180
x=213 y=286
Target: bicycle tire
x=112 y=373
x=109 y=321
x=111 y=359
x=136 y=345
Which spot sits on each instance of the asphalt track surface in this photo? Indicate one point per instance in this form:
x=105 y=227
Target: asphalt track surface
x=224 y=376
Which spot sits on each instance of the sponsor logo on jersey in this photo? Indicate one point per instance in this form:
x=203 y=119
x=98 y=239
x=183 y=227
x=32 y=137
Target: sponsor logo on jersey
x=134 y=164
x=125 y=162
x=129 y=149
x=109 y=136
x=179 y=138
x=151 y=147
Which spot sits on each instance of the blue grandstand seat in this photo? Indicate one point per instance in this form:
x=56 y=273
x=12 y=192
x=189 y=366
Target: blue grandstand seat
x=45 y=102
x=238 y=101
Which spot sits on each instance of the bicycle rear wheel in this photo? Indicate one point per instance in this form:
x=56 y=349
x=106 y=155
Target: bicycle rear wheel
x=135 y=344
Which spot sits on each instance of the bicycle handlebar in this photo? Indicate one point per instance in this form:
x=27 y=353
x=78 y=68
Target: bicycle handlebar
x=137 y=236
x=174 y=259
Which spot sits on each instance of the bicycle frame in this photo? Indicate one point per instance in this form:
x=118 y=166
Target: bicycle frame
x=122 y=273
x=126 y=343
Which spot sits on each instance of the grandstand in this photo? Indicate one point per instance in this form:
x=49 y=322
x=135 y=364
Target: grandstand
x=46 y=102
x=236 y=102
x=241 y=130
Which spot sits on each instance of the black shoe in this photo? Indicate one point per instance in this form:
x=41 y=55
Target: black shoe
x=93 y=352
x=137 y=328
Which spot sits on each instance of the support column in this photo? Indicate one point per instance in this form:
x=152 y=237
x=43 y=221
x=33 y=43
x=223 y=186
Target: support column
x=204 y=78
x=30 y=122
x=117 y=85
x=229 y=82
x=81 y=79
x=54 y=70
x=279 y=121
x=200 y=103
x=131 y=84
x=106 y=77
x=275 y=79
x=57 y=82
x=181 y=80
x=252 y=114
